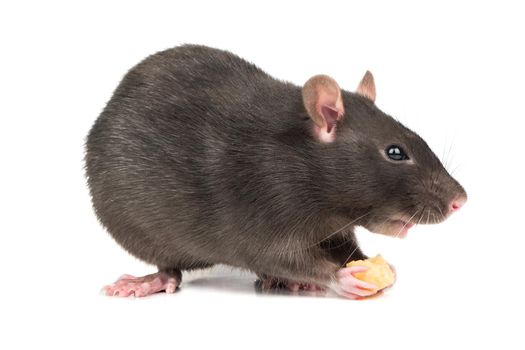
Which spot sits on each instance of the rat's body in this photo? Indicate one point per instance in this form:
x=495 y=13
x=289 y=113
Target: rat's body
x=201 y=158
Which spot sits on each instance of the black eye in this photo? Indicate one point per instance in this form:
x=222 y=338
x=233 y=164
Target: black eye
x=396 y=153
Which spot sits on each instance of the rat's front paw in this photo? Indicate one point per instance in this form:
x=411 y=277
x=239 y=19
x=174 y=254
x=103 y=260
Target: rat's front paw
x=351 y=287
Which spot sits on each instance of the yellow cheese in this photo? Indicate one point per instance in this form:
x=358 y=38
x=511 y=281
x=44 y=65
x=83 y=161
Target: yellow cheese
x=378 y=273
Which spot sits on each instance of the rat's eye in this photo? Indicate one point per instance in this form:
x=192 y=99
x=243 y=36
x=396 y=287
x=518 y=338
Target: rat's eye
x=396 y=153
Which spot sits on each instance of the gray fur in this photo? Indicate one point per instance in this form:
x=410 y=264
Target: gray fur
x=201 y=158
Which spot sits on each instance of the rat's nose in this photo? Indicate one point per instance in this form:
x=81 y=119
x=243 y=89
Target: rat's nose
x=457 y=203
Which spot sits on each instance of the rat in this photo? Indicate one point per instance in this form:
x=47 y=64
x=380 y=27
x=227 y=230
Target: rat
x=201 y=158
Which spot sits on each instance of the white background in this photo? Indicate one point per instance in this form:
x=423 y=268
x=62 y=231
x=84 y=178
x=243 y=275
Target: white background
x=453 y=72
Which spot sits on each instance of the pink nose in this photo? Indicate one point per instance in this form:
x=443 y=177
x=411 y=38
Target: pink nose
x=457 y=203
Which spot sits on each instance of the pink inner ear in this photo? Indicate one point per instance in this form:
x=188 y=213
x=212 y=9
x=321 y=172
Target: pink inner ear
x=331 y=115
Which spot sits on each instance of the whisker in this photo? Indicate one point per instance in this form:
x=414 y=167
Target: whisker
x=353 y=251
x=449 y=151
x=357 y=246
x=443 y=153
x=440 y=212
x=333 y=233
x=337 y=246
x=383 y=223
x=350 y=255
x=435 y=179
x=421 y=216
x=457 y=167
x=406 y=223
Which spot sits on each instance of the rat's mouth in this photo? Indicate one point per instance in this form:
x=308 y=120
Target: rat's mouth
x=392 y=227
x=404 y=226
x=398 y=224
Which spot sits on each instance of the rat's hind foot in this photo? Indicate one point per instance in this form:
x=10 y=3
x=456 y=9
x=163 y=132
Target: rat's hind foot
x=267 y=283
x=128 y=285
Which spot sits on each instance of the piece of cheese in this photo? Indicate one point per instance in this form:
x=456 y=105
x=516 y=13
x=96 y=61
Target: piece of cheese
x=378 y=273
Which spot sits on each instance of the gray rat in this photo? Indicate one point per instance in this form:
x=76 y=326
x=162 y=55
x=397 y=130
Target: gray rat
x=201 y=158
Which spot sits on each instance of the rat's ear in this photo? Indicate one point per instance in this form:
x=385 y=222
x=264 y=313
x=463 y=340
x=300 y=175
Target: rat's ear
x=367 y=87
x=323 y=102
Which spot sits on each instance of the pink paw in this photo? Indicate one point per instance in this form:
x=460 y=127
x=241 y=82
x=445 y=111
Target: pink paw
x=128 y=285
x=351 y=287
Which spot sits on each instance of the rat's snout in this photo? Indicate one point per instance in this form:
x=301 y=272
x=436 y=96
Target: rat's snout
x=457 y=203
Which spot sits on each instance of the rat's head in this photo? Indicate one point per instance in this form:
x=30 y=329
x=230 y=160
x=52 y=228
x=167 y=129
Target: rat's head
x=376 y=169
